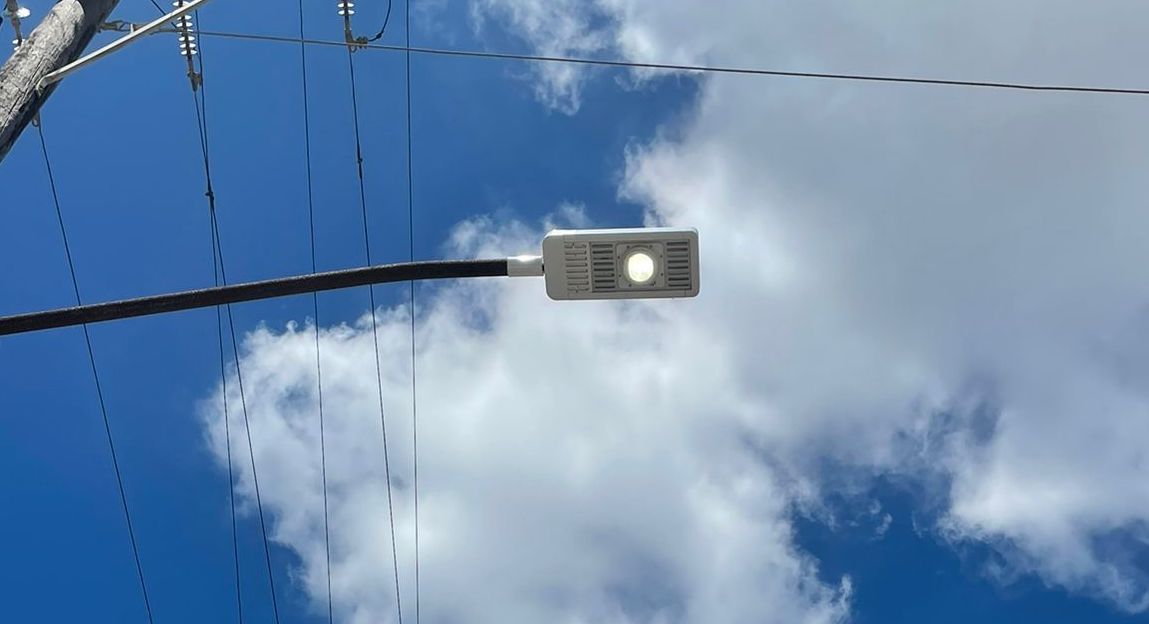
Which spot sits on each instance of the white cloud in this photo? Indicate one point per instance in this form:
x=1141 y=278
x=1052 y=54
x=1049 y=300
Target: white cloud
x=916 y=280
x=569 y=472
x=554 y=28
x=927 y=279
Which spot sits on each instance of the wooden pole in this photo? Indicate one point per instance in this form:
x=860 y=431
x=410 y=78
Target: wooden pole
x=59 y=39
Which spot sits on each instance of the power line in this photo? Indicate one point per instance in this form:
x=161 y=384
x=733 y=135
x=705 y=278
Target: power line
x=383 y=28
x=227 y=440
x=315 y=311
x=705 y=69
x=227 y=430
x=96 y=377
x=216 y=259
x=374 y=329
x=188 y=50
x=199 y=98
x=411 y=258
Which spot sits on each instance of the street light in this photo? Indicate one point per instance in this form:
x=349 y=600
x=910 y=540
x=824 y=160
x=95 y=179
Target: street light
x=639 y=263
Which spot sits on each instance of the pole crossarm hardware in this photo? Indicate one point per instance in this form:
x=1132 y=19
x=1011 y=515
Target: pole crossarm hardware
x=135 y=34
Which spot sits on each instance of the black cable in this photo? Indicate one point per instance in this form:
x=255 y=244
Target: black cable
x=374 y=329
x=227 y=434
x=215 y=260
x=383 y=28
x=411 y=254
x=315 y=311
x=96 y=377
x=215 y=271
x=199 y=97
x=247 y=429
x=713 y=69
x=251 y=291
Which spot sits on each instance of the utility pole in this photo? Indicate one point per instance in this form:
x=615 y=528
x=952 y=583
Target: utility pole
x=59 y=39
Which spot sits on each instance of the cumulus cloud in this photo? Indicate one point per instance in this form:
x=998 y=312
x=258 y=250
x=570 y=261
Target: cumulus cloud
x=578 y=463
x=905 y=280
x=927 y=280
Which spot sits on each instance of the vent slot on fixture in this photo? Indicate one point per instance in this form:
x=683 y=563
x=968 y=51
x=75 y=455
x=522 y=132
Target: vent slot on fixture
x=576 y=259
x=678 y=264
x=603 y=266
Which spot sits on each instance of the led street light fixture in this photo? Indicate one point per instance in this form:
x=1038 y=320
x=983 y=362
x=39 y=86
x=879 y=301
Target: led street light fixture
x=641 y=263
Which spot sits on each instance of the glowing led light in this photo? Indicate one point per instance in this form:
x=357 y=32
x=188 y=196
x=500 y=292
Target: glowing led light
x=639 y=266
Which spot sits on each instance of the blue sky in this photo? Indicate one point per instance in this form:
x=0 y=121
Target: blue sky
x=121 y=135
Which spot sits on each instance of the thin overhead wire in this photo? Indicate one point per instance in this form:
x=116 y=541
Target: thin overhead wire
x=704 y=69
x=227 y=430
x=199 y=98
x=96 y=378
x=315 y=311
x=188 y=50
x=250 y=449
x=227 y=440
x=411 y=257
x=215 y=264
x=383 y=28
x=374 y=328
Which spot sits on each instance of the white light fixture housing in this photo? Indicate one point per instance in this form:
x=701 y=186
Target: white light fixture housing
x=640 y=263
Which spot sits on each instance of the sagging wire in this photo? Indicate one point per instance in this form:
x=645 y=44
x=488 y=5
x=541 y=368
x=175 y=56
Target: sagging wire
x=96 y=378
